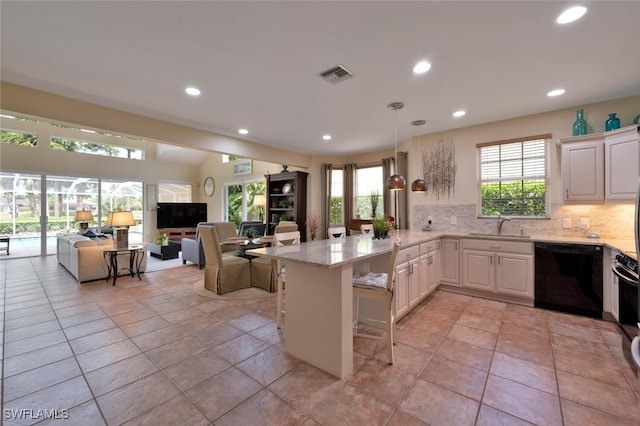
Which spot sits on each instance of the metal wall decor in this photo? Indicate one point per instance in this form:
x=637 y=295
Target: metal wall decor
x=439 y=169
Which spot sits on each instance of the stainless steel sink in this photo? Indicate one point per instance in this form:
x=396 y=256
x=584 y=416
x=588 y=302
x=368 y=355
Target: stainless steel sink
x=505 y=236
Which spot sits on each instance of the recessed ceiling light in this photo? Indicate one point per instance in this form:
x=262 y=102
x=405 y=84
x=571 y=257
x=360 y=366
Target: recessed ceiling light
x=459 y=113
x=326 y=137
x=556 y=92
x=193 y=91
x=421 y=67
x=243 y=131
x=571 y=14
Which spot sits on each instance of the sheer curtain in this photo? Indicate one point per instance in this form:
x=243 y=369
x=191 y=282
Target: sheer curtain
x=325 y=193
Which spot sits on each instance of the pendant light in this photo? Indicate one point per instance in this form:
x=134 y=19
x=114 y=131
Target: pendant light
x=396 y=182
x=418 y=185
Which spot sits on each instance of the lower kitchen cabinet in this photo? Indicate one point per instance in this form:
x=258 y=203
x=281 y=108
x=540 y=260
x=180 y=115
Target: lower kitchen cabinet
x=407 y=287
x=496 y=266
x=450 y=261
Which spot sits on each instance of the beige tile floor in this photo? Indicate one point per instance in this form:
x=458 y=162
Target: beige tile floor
x=153 y=352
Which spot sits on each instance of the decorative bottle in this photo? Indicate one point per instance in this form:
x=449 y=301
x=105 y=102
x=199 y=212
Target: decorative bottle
x=579 y=126
x=612 y=123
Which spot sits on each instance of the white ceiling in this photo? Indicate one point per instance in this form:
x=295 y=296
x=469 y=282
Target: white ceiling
x=256 y=63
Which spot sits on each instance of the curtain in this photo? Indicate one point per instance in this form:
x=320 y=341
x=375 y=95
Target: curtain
x=402 y=170
x=325 y=193
x=349 y=185
x=387 y=170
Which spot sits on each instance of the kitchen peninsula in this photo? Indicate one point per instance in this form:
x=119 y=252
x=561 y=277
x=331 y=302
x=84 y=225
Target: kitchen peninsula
x=319 y=294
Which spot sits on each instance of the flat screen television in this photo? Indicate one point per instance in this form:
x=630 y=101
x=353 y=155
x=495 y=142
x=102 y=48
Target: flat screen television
x=181 y=215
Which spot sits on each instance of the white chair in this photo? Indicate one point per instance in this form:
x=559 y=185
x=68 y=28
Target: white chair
x=283 y=239
x=336 y=232
x=367 y=230
x=378 y=286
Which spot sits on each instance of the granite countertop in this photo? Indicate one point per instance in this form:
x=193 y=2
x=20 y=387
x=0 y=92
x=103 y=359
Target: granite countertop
x=333 y=253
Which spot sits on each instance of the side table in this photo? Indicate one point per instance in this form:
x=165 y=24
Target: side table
x=136 y=255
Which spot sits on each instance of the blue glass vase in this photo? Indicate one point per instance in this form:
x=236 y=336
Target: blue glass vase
x=579 y=126
x=612 y=123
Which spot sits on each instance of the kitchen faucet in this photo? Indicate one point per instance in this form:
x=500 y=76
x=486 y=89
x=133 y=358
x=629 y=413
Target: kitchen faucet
x=501 y=221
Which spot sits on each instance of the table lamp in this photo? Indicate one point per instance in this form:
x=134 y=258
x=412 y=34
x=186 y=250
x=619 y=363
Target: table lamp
x=121 y=220
x=260 y=200
x=84 y=217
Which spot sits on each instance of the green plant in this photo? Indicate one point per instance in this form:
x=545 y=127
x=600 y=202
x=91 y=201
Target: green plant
x=161 y=240
x=382 y=225
x=284 y=203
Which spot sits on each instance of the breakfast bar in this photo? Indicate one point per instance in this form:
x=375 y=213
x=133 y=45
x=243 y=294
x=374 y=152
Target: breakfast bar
x=319 y=294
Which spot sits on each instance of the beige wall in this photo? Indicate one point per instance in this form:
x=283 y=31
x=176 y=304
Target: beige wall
x=32 y=102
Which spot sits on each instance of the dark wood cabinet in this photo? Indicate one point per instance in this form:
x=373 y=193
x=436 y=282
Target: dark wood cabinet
x=287 y=200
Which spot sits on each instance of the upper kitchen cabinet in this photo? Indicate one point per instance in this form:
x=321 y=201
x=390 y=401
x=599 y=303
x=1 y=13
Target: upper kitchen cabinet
x=622 y=164
x=583 y=168
x=601 y=167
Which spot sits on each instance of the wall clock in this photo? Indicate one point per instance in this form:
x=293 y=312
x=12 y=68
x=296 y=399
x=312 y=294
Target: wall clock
x=209 y=186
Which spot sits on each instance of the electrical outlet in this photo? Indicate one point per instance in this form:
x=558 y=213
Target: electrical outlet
x=584 y=223
x=566 y=222
x=454 y=220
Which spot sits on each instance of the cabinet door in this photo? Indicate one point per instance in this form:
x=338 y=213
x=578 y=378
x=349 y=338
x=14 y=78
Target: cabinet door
x=450 y=261
x=622 y=165
x=402 y=289
x=615 y=296
x=434 y=270
x=414 y=283
x=478 y=269
x=425 y=277
x=583 y=170
x=514 y=274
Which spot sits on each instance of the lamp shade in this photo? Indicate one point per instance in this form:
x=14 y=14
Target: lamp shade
x=122 y=218
x=396 y=183
x=84 y=216
x=419 y=185
x=259 y=200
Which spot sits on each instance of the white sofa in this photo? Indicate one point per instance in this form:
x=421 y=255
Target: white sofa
x=83 y=256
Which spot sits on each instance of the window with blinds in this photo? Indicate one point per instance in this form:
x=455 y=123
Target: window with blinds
x=513 y=177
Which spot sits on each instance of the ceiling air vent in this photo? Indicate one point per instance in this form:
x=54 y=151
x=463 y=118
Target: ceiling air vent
x=335 y=75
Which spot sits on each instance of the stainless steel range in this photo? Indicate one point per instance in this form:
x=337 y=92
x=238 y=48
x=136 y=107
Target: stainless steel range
x=626 y=269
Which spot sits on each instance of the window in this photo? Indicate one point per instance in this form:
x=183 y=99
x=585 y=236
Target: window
x=336 y=210
x=18 y=138
x=86 y=147
x=240 y=201
x=369 y=184
x=513 y=177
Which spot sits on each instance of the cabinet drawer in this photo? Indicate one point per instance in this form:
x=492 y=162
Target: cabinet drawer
x=429 y=246
x=408 y=253
x=499 y=245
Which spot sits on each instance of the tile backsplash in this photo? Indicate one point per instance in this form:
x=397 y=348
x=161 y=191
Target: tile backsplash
x=610 y=221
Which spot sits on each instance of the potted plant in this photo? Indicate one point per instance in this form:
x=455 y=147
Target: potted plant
x=381 y=227
x=161 y=240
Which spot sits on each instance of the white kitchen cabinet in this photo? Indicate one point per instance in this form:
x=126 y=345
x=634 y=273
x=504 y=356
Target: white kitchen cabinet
x=497 y=266
x=407 y=293
x=429 y=267
x=601 y=167
x=622 y=164
x=450 y=261
x=583 y=168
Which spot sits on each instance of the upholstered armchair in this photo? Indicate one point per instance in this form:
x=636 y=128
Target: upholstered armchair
x=192 y=249
x=222 y=274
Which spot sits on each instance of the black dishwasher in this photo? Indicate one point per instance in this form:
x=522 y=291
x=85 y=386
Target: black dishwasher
x=568 y=278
